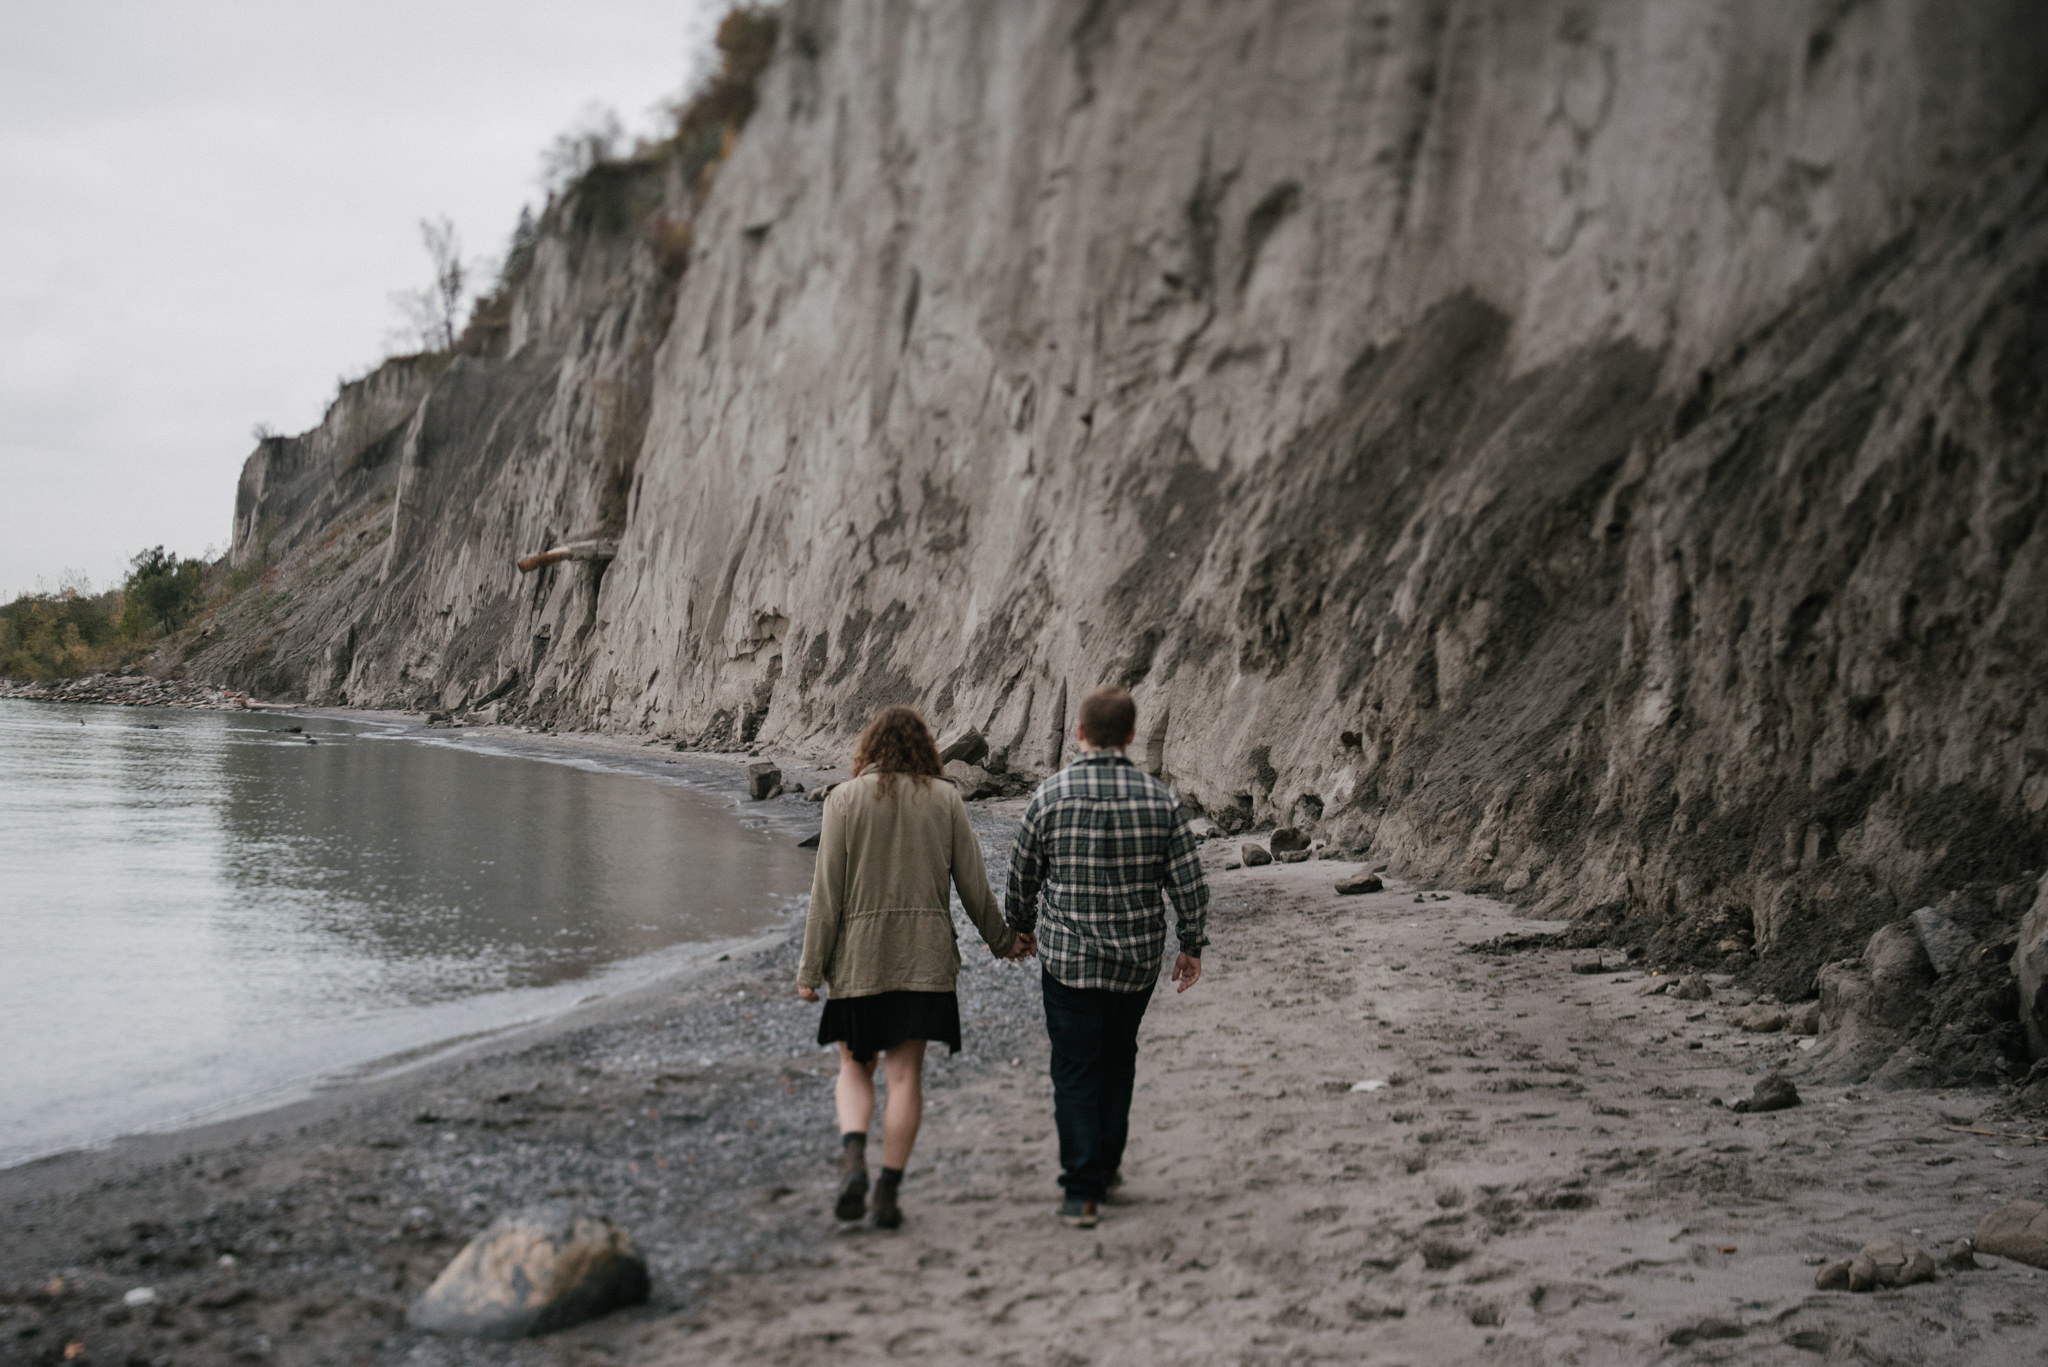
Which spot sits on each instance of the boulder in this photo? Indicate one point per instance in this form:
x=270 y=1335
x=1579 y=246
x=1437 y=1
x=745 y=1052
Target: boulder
x=2019 y=1232
x=1693 y=987
x=1364 y=882
x=1773 y=1092
x=763 y=780
x=1803 y=1019
x=1905 y=1070
x=1255 y=855
x=1288 y=840
x=972 y=780
x=1947 y=945
x=963 y=743
x=2030 y=967
x=1293 y=856
x=533 y=1271
x=1868 y=1004
x=1900 y=973
x=1761 y=1018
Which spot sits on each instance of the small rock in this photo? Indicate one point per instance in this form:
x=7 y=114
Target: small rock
x=1947 y=944
x=1596 y=964
x=1803 y=1019
x=1693 y=987
x=2019 y=1232
x=1364 y=882
x=1656 y=987
x=1293 y=856
x=1961 y=1256
x=1833 y=1276
x=820 y=793
x=1287 y=840
x=533 y=1271
x=1233 y=864
x=1761 y=1019
x=810 y=842
x=139 y=1296
x=1906 y=1070
x=1773 y=1092
x=964 y=744
x=763 y=779
x=1202 y=828
x=1255 y=855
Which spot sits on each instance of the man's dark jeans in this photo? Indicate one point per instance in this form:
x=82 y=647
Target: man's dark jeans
x=1094 y=1063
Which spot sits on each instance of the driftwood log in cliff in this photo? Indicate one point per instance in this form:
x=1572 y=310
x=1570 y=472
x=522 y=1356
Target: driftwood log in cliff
x=1590 y=451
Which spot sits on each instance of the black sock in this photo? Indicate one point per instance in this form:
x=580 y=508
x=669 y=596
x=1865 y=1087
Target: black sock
x=853 y=1137
x=892 y=1176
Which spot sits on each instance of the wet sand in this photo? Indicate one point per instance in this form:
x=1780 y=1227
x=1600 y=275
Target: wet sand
x=1543 y=1178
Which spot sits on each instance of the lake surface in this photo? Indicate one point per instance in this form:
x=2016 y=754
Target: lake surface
x=201 y=913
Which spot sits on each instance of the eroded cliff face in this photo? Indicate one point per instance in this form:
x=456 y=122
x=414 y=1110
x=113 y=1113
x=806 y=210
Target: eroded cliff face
x=1587 y=451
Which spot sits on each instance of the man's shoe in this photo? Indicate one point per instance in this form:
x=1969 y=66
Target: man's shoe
x=1078 y=1212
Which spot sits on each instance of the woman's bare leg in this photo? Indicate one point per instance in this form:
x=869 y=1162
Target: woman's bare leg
x=904 y=1112
x=853 y=1096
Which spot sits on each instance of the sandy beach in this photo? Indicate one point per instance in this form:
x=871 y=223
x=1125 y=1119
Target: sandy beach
x=1360 y=1138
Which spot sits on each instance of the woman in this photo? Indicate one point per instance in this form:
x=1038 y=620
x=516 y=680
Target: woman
x=881 y=934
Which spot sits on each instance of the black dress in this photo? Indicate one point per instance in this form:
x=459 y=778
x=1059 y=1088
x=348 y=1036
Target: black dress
x=868 y=1025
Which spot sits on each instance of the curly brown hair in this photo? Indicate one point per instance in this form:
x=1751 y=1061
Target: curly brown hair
x=897 y=742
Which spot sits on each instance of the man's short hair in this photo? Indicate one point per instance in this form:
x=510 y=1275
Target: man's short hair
x=1109 y=717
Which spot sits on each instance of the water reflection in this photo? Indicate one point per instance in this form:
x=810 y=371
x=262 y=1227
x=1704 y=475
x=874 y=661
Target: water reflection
x=199 y=907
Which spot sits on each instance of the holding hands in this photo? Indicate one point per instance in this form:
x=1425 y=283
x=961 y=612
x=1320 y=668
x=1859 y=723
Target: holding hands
x=1025 y=945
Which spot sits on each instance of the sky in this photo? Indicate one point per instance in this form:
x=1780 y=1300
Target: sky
x=206 y=205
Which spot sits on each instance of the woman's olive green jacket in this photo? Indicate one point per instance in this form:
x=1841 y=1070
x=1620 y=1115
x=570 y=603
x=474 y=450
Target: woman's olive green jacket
x=880 y=918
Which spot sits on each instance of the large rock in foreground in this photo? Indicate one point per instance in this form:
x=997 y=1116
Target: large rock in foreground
x=2020 y=1232
x=533 y=1271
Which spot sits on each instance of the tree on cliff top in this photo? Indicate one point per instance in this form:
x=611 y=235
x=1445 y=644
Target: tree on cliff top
x=433 y=312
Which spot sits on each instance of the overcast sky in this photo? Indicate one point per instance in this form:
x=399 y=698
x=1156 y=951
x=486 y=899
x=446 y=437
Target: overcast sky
x=206 y=204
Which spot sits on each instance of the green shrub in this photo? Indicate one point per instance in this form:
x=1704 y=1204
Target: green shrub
x=162 y=591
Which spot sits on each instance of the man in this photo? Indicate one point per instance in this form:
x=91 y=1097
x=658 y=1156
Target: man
x=1101 y=840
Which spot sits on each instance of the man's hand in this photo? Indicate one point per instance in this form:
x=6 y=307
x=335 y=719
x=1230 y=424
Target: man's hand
x=1187 y=971
x=809 y=994
x=1024 y=948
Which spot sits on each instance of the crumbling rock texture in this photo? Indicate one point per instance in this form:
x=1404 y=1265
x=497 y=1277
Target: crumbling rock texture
x=1590 y=452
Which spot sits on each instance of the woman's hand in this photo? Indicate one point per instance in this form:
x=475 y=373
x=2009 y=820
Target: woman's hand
x=809 y=994
x=1023 y=947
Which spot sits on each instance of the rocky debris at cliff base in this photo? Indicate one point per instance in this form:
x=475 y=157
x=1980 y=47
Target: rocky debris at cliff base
x=972 y=780
x=532 y=1271
x=130 y=690
x=1360 y=883
x=1774 y=1092
x=1946 y=944
x=2019 y=1232
x=1885 y=1263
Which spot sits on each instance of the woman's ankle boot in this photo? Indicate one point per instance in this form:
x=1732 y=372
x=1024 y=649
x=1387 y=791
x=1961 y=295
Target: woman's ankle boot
x=888 y=1215
x=853 y=1178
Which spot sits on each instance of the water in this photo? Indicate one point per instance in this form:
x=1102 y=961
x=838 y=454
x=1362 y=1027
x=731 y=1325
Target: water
x=201 y=913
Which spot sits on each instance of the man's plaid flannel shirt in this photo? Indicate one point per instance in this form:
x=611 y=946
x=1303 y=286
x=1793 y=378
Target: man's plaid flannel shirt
x=1101 y=839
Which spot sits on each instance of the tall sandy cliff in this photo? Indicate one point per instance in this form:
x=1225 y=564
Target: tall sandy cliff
x=1590 y=451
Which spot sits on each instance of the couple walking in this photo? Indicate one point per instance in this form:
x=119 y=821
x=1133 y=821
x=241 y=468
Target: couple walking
x=1100 y=841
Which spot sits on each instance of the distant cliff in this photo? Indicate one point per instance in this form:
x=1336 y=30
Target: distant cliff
x=1588 y=451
